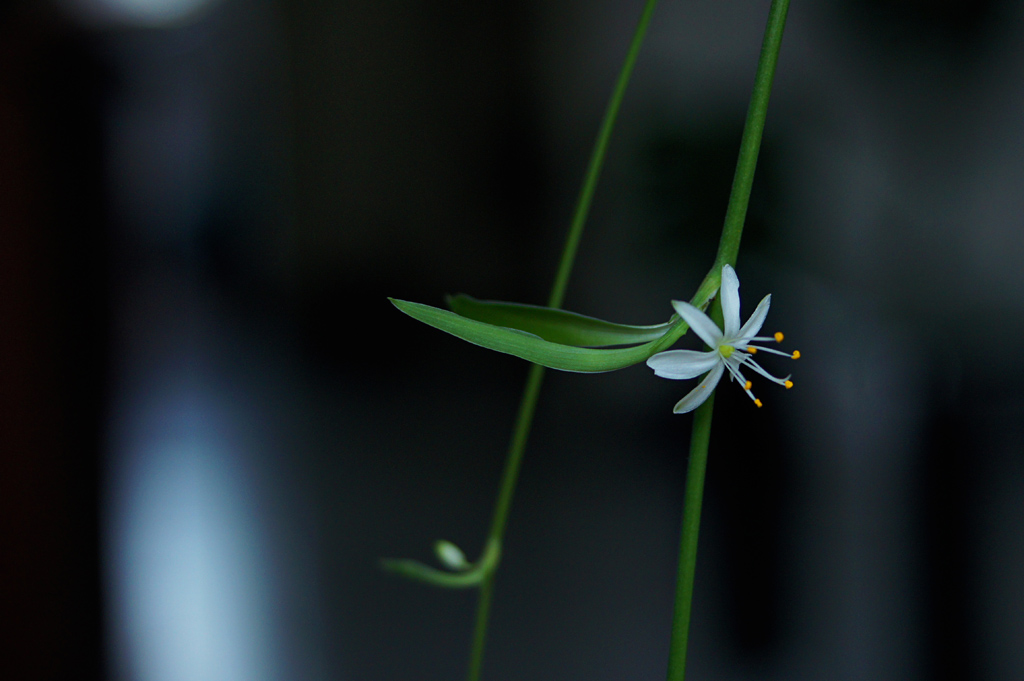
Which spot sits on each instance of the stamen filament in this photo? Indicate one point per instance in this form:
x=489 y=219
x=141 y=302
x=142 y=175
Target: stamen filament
x=757 y=367
x=752 y=349
x=734 y=373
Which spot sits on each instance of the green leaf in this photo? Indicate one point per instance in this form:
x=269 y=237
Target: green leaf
x=534 y=348
x=557 y=326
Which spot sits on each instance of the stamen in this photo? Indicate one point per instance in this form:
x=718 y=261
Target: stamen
x=734 y=373
x=778 y=336
x=751 y=349
x=758 y=403
x=772 y=351
x=738 y=377
x=746 y=386
x=796 y=354
x=749 y=361
x=788 y=384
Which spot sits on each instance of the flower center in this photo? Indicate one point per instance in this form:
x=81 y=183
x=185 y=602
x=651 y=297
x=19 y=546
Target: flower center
x=726 y=350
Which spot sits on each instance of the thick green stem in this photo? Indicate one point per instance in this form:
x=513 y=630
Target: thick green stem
x=728 y=249
x=688 y=541
x=750 y=143
x=531 y=392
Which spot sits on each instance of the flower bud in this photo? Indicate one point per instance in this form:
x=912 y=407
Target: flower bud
x=450 y=555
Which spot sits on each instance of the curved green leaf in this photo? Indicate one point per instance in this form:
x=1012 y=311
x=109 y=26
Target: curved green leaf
x=557 y=326
x=534 y=348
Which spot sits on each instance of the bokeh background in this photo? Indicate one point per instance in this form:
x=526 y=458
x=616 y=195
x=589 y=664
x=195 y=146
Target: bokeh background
x=214 y=424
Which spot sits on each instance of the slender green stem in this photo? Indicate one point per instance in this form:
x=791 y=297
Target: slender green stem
x=750 y=143
x=515 y=451
x=483 y=611
x=572 y=242
x=688 y=541
x=531 y=392
x=728 y=249
x=508 y=485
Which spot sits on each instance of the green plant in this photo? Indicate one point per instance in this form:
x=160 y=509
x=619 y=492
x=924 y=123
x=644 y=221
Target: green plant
x=554 y=338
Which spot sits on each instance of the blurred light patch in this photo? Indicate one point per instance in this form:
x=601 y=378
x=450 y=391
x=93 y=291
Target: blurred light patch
x=136 y=13
x=187 y=564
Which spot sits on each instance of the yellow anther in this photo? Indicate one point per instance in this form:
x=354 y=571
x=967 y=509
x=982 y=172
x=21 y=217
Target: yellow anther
x=778 y=336
x=747 y=385
x=751 y=349
x=796 y=354
x=758 y=403
x=788 y=384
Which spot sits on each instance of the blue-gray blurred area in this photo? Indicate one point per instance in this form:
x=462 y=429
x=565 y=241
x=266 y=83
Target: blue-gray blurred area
x=214 y=424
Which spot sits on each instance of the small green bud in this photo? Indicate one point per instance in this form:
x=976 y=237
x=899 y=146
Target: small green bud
x=450 y=555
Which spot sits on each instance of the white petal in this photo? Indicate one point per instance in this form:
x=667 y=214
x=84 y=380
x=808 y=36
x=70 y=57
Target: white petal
x=698 y=395
x=682 y=364
x=699 y=322
x=730 y=296
x=756 y=320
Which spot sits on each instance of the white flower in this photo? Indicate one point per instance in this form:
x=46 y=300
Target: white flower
x=730 y=350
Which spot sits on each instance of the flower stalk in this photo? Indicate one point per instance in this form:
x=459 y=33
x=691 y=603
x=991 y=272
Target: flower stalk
x=728 y=249
x=699 y=440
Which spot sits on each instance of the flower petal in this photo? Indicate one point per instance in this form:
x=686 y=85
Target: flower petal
x=756 y=320
x=699 y=322
x=682 y=364
x=730 y=297
x=698 y=395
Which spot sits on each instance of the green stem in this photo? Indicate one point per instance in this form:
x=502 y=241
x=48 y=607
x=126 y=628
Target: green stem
x=531 y=392
x=728 y=249
x=586 y=197
x=483 y=611
x=750 y=144
x=688 y=541
x=508 y=486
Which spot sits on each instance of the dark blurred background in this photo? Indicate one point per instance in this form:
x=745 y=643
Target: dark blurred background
x=213 y=423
